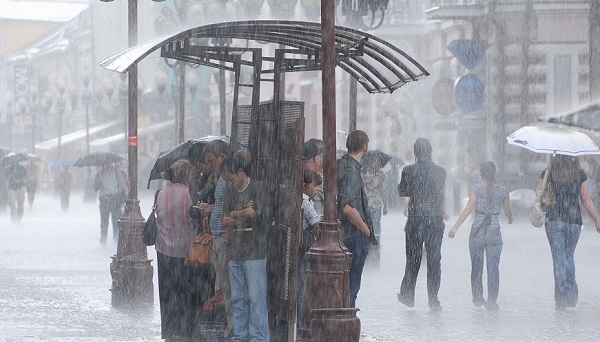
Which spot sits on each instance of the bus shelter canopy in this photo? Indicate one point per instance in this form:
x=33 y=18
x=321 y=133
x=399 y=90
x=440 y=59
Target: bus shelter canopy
x=377 y=65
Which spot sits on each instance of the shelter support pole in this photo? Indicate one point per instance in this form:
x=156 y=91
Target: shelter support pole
x=130 y=268
x=594 y=50
x=327 y=277
x=222 y=103
x=352 y=103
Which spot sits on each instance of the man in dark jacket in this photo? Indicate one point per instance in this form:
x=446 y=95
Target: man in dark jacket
x=423 y=183
x=353 y=208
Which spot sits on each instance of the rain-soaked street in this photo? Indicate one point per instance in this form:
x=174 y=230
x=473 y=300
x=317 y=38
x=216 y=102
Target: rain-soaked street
x=55 y=281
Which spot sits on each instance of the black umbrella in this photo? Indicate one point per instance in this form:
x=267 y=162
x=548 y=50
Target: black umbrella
x=98 y=159
x=190 y=150
x=378 y=155
x=3 y=153
x=13 y=158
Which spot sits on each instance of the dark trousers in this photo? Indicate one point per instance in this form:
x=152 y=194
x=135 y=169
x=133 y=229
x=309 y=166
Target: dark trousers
x=176 y=294
x=110 y=207
x=419 y=231
x=488 y=243
x=358 y=245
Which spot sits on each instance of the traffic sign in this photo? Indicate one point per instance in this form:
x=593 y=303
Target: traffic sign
x=468 y=93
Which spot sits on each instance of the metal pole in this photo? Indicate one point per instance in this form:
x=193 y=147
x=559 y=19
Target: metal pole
x=87 y=122
x=61 y=108
x=326 y=298
x=181 y=120
x=222 y=103
x=352 y=103
x=131 y=270
x=594 y=50
x=329 y=110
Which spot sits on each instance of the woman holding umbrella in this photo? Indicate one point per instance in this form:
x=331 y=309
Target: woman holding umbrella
x=563 y=223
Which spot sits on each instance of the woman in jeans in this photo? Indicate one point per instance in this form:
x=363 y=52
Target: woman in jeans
x=175 y=234
x=563 y=223
x=487 y=198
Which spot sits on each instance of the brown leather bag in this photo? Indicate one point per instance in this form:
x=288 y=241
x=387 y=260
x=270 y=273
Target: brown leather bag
x=201 y=251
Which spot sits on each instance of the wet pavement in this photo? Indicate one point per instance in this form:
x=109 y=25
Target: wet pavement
x=55 y=281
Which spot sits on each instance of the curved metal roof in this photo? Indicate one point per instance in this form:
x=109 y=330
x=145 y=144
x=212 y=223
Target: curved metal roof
x=378 y=65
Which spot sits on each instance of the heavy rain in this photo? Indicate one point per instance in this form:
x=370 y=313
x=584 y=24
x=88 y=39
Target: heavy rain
x=250 y=115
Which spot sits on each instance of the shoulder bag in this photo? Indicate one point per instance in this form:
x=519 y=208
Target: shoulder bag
x=150 y=228
x=201 y=251
x=537 y=217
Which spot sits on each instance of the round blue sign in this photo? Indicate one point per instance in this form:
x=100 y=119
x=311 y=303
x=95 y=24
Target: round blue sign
x=468 y=93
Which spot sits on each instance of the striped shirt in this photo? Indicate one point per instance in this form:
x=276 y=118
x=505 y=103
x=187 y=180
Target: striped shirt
x=216 y=215
x=175 y=226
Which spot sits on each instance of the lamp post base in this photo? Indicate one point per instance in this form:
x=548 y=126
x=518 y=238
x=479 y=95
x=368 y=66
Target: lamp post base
x=327 y=277
x=130 y=269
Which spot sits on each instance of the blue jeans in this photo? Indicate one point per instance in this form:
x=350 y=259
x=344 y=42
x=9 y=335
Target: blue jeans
x=248 y=283
x=358 y=245
x=422 y=231
x=563 y=239
x=376 y=218
x=488 y=243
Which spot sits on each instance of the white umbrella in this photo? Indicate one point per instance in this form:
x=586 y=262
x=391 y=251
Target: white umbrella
x=553 y=140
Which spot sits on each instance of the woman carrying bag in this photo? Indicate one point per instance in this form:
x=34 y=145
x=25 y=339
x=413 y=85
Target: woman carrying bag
x=175 y=234
x=563 y=223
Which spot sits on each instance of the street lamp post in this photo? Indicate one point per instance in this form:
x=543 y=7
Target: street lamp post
x=86 y=98
x=130 y=268
x=22 y=104
x=9 y=110
x=60 y=106
x=326 y=313
x=33 y=113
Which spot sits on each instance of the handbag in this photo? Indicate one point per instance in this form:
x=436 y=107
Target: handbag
x=537 y=217
x=150 y=228
x=201 y=251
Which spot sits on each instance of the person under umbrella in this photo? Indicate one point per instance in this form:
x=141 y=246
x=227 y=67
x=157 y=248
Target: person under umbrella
x=564 y=223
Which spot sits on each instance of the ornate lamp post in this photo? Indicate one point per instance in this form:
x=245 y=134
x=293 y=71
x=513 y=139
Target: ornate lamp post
x=33 y=92
x=86 y=98
x=9 y=118
x=22 y=105
x=131 y=270
x=60 y=107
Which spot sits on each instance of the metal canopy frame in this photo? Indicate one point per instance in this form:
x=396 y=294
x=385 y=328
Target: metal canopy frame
x=376 y=64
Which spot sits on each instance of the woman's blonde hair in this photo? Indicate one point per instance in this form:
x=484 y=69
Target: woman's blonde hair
x=179 y=172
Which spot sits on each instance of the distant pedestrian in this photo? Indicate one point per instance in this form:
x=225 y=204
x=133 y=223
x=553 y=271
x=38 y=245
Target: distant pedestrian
x=564 y=223
x=375 y=183
x=64 y=180
x=176 y=283
x=353 y=208
x=110 y=183
x=487 y=198
x=245 y=214
x=33 y=173
x=17 y=176
x=423 y=183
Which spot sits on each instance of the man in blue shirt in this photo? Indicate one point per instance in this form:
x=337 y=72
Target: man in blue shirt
x=353 y=208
